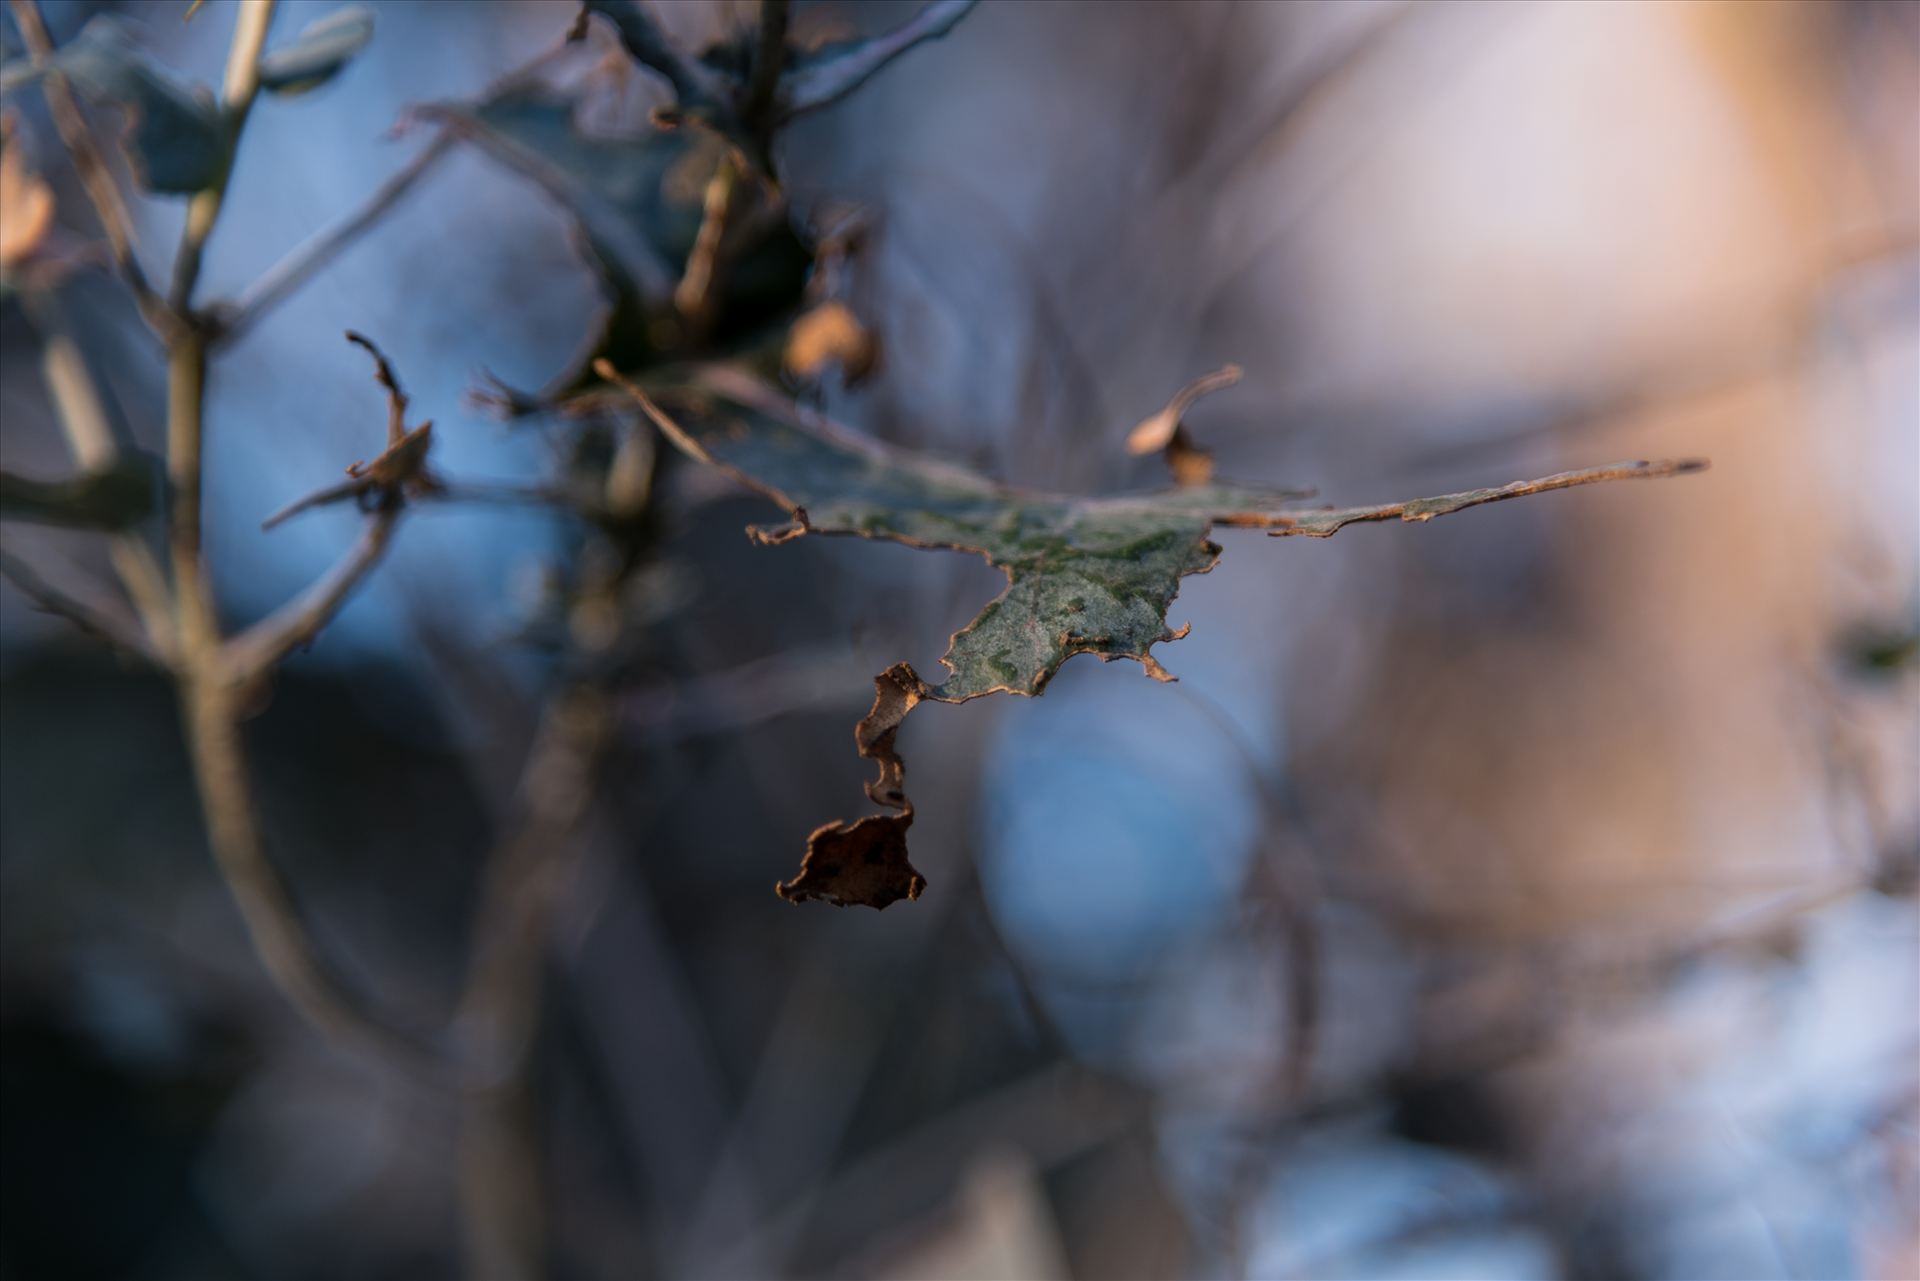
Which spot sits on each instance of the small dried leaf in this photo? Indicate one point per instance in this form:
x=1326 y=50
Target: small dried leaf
x=830 y=334
x=326 y=46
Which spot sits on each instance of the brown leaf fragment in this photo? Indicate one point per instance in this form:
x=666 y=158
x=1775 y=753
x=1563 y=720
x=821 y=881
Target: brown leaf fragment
x=865 y=861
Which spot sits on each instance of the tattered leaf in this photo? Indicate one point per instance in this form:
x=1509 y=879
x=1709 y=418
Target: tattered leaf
x=637 y=202
x=326 y=46
x=1085 y=575
x=113 y=497
x=175 y=138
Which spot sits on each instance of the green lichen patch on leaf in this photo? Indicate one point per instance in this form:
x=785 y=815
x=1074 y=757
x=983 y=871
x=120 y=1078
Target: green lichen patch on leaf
x=1085 y=575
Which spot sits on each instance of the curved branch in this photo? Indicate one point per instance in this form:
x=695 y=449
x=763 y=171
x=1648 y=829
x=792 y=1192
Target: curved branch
x=307 y=259
x=273 y=921
x=253 y=652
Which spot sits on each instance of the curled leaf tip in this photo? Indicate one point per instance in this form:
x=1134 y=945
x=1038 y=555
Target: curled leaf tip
x=1165 y=432
x=1156 y=431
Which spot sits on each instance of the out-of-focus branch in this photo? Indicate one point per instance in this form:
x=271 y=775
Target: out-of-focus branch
x=769 y=59
x=306 y=260
x=282 y=940
x=96 y=177
x=95 y=444
x=254 y=651
x=830 y=79
x=387 y=481
x=238 y=90
x=694 y=295
x=94 y=617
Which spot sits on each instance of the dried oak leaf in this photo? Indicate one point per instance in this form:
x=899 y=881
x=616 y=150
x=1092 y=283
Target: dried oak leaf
x=1085 y=575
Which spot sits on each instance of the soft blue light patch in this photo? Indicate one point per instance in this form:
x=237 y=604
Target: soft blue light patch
x=1119 y=821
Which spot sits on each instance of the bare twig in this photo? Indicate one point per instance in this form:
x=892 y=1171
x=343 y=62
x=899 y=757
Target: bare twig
x=769 y=59
x=300 y=265
x=283 y=942
x=698 y=288
x=238 y=90
x=95 y=617
x=396 y=395
x=830 y=79
x=474 y=491
x=386 y=482
x=96 y=444
x=95 y=175
x=1323 y=522
x=254 y=651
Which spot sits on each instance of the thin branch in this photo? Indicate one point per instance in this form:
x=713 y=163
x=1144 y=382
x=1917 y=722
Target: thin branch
x=253 y=652
x=340 y=493
x=396 y=396
x=238 y=90
x=97 y=439
x=280 y=938
x=95 y=176
x=305 y=261
x=695 y=295
x=94 y=617
x=832 y=78
x=769 y=60
x=477 y=491
x=1323 y=523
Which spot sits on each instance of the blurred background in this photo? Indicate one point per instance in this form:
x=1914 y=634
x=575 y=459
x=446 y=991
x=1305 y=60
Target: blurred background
x=1526 y=895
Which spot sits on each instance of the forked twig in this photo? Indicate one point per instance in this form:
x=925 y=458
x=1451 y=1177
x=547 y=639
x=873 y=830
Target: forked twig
x=387 y=483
